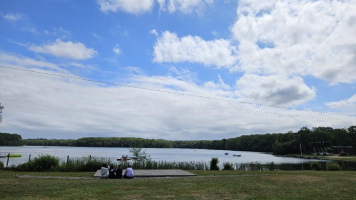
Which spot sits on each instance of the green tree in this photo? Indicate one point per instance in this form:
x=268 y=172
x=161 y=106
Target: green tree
x=139 y=155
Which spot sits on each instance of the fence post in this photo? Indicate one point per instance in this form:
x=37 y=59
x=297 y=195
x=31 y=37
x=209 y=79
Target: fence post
x=29 y=158
x=8 y=157
x=67 y=158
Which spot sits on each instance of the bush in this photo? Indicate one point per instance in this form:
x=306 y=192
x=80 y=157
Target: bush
x=271 y=166
x=214 y=164
x=329 y=150
x=1 y=165
x=228 y=166
x=343 y=154
x=42 y=163
x=331 y=166
x=315 y=166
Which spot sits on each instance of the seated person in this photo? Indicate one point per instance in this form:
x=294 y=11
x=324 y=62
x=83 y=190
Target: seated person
x=129 y=172
x=112 y=173
x=104 y=171
x=119 y=172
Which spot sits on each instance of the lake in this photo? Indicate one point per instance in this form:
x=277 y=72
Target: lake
x=164 y=154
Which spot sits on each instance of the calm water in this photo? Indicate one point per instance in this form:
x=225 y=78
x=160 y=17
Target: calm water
x=197 y=155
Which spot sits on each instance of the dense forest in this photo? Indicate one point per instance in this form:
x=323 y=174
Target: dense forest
x=8 y=139
x=311 y=140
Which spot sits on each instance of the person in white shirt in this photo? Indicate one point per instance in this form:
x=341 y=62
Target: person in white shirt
x=104 y=171
x=129 y=172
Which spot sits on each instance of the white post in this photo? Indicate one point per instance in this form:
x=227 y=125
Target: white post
x=301 y=153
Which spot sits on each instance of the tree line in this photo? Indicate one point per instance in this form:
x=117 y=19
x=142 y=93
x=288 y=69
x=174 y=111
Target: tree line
x=8 y=139
x=310 y=140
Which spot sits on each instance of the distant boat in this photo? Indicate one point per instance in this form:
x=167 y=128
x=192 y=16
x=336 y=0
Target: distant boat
x=226 y=153
x=124 y=158
x=235 y=155
x=16 y=155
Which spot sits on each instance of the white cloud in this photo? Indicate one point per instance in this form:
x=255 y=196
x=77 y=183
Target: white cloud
x=7 y=59
x=154 y=32
x=71 y=50
x=36 y=109
x=116 y=50
x=95 y=35
x=347 y=104
x=13 y=16
x=129 y=6
x=170 y=48
x=184 y=6
x=302 y=37
x=274 y=90
x=221 y=85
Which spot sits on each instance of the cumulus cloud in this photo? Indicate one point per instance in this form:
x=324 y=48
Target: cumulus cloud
x=349 y=103
x=129 y=6
x=303 y=37
x=71 y=50
x=170 y=48
x=274 y=90
x=184 y=6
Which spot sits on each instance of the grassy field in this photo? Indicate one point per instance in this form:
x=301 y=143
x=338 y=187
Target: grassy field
x=207 y=185
x=336 y=157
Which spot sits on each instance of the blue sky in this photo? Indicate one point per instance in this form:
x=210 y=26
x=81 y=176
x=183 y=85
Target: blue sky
x=278 y=53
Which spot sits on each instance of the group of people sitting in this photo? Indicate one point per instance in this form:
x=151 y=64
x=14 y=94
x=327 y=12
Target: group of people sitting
x=107 y=172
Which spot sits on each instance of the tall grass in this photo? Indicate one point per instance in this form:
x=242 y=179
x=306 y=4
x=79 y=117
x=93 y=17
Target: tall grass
x=84 y=164
x=152 y=164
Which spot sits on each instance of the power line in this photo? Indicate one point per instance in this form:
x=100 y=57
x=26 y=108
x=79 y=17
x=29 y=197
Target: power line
x=178 y=93
x=183 y=102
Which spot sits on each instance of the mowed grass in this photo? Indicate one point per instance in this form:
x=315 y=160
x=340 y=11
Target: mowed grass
x=207 y=185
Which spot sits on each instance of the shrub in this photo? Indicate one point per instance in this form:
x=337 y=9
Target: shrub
x=214 y=164
x=1 y=165
x=343 y=154
x=228 y=166
x=331 y=166
x=271 y=166
x=329 y=150
x=315 y=166
x=42 y=163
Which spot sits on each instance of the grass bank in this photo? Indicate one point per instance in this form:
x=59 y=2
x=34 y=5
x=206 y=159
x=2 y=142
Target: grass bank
x=208 y=185
x=335 y=157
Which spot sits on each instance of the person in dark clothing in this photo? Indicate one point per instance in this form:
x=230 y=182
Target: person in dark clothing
x=119 y=172
x=112 y=173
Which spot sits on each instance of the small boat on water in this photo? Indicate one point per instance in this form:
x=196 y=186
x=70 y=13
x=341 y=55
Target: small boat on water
x=226 y=153
x=235 y=155
x=124 y=158
x=10 y=155
x=15 y=155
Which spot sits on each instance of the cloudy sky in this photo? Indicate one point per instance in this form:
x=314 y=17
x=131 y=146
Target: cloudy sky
x=176 y=69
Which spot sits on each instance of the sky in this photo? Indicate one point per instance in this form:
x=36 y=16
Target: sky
x=176 y=69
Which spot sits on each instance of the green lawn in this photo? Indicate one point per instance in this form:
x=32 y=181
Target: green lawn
x=207 y=185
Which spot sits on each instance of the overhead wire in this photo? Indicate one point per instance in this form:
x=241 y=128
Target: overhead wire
x=176 y=101
x=177 y=93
